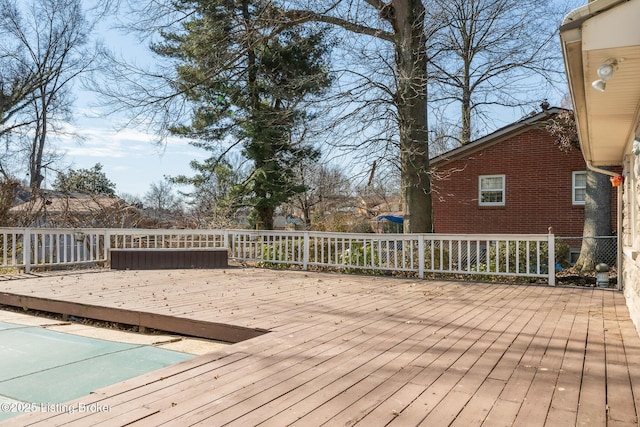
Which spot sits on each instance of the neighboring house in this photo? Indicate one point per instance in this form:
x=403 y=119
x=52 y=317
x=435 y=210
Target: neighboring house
x=56 y=209
x=601 y=48
x=515 y=180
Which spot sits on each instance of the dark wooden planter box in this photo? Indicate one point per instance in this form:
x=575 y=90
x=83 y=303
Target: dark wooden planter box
x=156 y=259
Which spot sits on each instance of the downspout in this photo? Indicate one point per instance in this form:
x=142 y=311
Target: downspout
x=618 y=222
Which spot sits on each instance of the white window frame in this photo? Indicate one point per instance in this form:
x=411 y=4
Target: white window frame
x=574 y=187
x=503 y=190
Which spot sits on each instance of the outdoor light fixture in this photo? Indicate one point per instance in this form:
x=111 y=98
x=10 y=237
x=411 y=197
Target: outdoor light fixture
x=599 y=85
x=605 y=71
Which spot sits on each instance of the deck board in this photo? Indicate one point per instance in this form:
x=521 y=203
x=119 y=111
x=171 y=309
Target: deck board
x=357 y=350
x=619 y=392
x=592 y=407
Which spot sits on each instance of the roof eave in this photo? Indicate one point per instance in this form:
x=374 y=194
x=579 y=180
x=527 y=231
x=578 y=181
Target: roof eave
x=601 y=31
x=494 y=137
x=572 y=52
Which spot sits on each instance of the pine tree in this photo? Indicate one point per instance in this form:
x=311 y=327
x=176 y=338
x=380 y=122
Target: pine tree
x=247 y=81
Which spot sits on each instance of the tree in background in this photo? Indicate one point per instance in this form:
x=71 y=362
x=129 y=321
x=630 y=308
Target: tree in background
x=86 y=181
x=214 y=200
x=43 y=48
x=17 y=85
x=327 y=190
x=161 y=202
x=493 y=53
x=407 y=40
x=153 y=96
x=247 y=80
x=87 y=200
x=8 y=188
x=597 y=208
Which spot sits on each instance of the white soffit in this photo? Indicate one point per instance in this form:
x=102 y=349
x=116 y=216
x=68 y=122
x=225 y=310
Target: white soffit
x=616 y=27
x=612 y=114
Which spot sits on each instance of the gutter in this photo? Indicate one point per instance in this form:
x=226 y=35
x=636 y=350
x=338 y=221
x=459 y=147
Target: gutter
x=602 y=171
x=618 y=222
x=576 y=17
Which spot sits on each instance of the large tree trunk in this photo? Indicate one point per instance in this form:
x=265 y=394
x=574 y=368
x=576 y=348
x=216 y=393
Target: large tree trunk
x=409 y=40
x=306 y=213
x=597 y=222
x=265 y=218
x=407 y=18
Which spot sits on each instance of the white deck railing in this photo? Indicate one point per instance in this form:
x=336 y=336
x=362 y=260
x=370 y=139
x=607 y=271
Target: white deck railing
x=485 y=255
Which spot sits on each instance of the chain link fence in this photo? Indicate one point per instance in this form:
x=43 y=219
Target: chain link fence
x=568 y=249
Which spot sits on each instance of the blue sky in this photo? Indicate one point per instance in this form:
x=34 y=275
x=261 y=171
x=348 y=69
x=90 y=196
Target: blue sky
x=130 y=157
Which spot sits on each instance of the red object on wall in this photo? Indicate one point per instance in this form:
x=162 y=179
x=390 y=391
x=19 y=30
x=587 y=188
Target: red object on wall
x=616 y=181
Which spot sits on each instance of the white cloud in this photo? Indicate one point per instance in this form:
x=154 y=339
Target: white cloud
x=131 y=158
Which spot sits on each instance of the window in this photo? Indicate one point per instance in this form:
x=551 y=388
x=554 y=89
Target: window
x=492 y=190
x=579 y=187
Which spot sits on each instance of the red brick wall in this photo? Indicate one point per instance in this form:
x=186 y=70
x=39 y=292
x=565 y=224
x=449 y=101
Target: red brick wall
x=538 y=189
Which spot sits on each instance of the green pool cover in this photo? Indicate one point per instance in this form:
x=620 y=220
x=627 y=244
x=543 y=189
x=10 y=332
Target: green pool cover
x=40 y=369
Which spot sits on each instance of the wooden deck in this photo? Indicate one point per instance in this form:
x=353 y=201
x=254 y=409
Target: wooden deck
x=370 y=351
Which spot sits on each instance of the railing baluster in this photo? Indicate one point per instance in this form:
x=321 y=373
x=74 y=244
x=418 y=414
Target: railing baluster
x=465 y=254
x=5 y=238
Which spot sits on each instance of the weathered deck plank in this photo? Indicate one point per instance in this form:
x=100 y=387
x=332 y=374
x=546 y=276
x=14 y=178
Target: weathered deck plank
x=592 y=407
x=455 y=331
x=356 y=346
x=353 y=350
x=619 y=392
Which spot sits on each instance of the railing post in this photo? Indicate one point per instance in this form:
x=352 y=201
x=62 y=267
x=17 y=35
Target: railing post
x=552 y=259
x=26 y=250
x=107 y=246
x=225 y=242
x=306 y=248
x=421 y=256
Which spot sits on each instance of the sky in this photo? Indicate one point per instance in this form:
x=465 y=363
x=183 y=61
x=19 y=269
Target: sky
x=130 y=157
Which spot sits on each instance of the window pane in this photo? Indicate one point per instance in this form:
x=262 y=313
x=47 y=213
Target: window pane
x=491 y=197
x=581 y=180
x=492 y=188
x=579 y=188
x=491 y=183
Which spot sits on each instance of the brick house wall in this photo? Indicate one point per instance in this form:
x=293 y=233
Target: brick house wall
x=538 y=187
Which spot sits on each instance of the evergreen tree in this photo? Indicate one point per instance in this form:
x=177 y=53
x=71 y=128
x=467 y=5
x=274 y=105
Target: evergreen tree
x=86 y=181
x=247 y=80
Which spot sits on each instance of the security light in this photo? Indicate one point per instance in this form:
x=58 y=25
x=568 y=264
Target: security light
x=605 y=71
x=599 y=85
